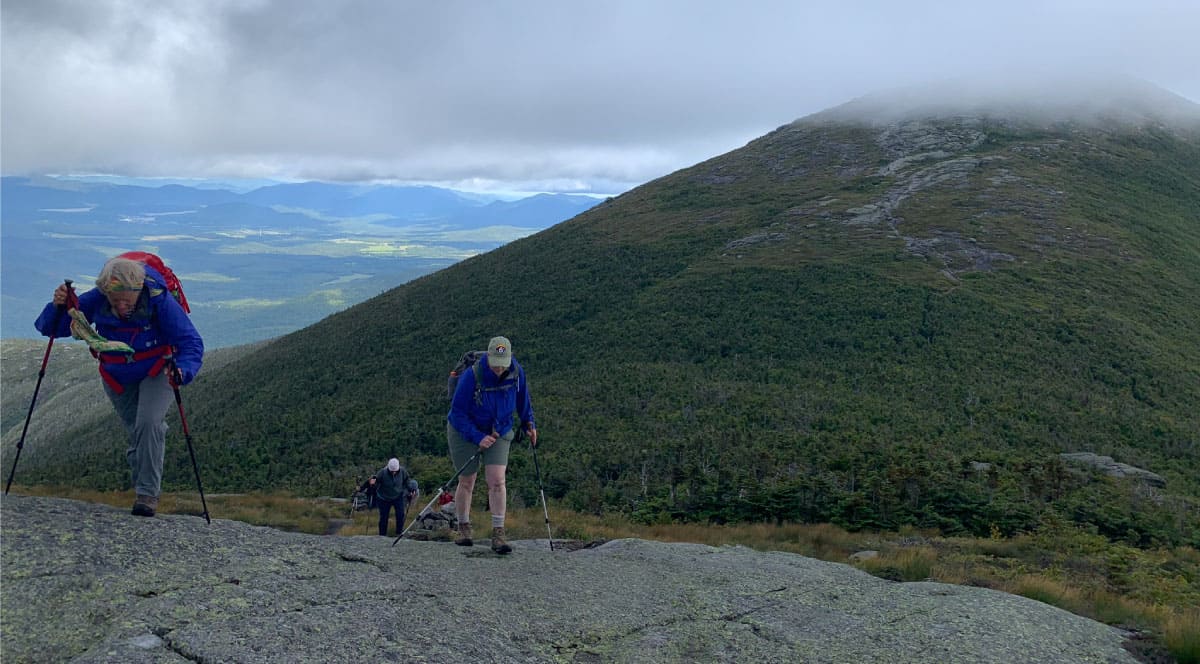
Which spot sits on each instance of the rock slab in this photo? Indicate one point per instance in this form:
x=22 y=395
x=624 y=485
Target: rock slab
x=90 y=583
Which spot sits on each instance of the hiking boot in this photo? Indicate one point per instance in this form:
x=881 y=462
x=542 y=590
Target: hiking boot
x=498 y=543
x=145 y=505
x=464 y=535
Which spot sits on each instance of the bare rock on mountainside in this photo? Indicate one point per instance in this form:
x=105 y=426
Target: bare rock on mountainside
x=1112 y=468
x=931 y=144
x=90 y=583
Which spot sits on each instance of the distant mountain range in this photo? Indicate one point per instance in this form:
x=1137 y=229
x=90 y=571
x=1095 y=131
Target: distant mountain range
x=255 y=264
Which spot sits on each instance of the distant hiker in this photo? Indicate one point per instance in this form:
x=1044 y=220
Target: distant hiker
x=139 y=328
x=364 y=495
x=481 y=418
x=393 y=488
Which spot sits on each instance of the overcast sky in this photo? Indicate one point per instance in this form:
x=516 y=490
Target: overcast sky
x=533 y=95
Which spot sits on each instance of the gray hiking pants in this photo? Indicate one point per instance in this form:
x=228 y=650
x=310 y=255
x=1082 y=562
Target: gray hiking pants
x=142 y=408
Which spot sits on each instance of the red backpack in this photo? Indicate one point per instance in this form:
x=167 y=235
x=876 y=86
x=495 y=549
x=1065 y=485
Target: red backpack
x=173 y=285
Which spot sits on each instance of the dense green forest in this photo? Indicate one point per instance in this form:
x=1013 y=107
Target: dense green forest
x=875 y=325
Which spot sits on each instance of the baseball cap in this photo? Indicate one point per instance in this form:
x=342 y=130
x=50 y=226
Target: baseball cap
x=499 y=352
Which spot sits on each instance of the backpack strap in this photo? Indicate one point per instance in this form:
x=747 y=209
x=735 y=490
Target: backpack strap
x=163 y=353
x=508 y=383
x=478 y=382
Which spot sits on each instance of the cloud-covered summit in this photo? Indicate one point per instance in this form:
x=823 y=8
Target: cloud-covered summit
x=1036 y=98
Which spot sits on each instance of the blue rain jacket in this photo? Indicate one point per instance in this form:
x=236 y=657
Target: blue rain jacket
x=500 y=397
x=157 y=320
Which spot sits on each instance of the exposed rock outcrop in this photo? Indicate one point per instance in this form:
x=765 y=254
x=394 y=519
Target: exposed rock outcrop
x=1112 y=468
x=90 y=583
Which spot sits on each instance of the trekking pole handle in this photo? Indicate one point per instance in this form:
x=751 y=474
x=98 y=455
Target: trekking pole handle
x=68 y=295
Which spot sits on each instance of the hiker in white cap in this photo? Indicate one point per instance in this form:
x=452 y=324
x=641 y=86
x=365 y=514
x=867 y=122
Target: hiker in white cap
x=393 y=489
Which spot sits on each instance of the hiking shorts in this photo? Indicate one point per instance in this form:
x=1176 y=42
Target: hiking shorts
x=462 y=449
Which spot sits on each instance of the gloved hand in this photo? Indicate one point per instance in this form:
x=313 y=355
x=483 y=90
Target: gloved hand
x=180 y=377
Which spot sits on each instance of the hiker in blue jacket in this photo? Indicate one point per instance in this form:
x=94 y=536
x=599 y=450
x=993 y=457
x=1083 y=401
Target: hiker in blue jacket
x=481 y=418
x=131 y=304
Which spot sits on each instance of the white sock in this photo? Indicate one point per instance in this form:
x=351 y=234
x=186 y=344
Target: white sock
x=497 y=520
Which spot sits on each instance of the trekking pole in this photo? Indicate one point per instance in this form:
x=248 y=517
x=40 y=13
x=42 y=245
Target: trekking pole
x=442 y=489
x=404 y=517
x=58 y=311
x=545 y=510
x=408 y=503
x=174 y=379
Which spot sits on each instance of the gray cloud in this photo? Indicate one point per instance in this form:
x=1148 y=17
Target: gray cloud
x=593 y=96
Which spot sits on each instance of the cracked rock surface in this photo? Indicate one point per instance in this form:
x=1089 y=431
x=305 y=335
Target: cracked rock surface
x=91 y=583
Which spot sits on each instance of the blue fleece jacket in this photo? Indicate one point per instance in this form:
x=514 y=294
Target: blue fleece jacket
x=156 y=320
x=500 y=397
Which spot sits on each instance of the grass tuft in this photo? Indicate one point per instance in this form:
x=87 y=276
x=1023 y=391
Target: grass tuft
x=1181 y=636
x=903 y=564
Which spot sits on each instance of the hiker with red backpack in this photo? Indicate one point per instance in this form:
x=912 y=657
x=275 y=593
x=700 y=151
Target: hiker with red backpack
x=480 y=423
x=146 y=345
